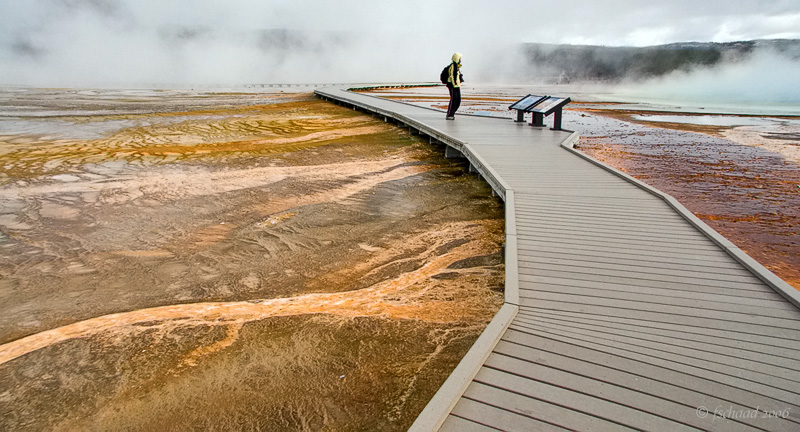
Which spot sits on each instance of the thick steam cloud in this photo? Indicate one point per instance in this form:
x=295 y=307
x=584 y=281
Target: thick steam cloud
x=763 y=76
x=109 y=43
x=207 y=42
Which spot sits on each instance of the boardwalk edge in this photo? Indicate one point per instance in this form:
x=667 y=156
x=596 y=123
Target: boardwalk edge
x=439 y=407
x=511 y=258
x=777 y=284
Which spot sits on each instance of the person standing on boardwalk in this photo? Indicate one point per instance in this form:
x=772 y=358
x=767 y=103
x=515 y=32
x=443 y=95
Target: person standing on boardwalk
x=454 y=80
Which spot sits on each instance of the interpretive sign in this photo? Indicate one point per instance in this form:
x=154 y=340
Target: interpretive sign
x=550 y=104
x=527 y=103
x=540 y=106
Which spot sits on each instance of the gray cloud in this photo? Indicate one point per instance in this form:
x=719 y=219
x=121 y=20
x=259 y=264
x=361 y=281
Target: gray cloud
x=25 y=48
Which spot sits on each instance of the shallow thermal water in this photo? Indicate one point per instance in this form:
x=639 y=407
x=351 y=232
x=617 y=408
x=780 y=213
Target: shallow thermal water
x=189 y=260
x=715 y=120
x=740 y=174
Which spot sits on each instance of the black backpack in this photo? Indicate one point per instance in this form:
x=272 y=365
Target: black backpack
x=445 y=75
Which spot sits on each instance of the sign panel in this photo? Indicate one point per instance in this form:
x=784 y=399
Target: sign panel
x=527 y=103
x=550 y=104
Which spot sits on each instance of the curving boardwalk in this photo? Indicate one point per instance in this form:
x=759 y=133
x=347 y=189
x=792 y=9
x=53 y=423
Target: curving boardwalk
x=623 y=311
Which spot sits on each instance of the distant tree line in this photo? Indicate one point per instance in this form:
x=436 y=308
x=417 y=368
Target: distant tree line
x=565 y=63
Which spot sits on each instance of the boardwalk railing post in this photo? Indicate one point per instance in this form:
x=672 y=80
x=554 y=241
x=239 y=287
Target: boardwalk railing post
x=452 y=153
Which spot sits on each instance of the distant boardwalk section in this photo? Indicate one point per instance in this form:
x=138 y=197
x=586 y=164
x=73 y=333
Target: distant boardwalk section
x=623 y=311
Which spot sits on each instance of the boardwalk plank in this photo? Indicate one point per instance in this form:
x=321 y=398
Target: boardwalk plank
x=576 y=401
x=556 y=240
x=636 y=279
x=683 y=233
x=699 y=274
x=703 y=258
x=540 y=410
x=732 y=363
x=622 y=392
x=585 y=211
x=646 y=296
x=791 y=366
x=750 y=297
x=501 y=419
x=616 y=237
x=652 y=278
x=576 y=256
x=581 y=194
x=614 y=241
x=789 y=326
x=656 y=389
x=644 y=222
x=621 y=257
x=706 y=321
x=614 y=205
x=733 y=337
x=708 y=390
x=654 y=209
x=531 y=281
x=750 y=383
x=458 y=424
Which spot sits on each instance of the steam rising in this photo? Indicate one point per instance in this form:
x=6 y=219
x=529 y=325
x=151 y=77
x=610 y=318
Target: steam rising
x=764 y=76
x=205 y=42
x=109 y=43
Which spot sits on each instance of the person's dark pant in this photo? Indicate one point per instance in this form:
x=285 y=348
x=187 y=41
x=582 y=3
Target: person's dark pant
x=455 y=100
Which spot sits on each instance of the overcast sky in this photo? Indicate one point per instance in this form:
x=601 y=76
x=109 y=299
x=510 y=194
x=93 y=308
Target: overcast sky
x=214 y=41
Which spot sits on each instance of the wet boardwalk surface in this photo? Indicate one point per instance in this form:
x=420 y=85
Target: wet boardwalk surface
x=623 y=311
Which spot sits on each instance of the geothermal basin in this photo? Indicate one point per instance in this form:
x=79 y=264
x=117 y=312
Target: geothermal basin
x=181 y=259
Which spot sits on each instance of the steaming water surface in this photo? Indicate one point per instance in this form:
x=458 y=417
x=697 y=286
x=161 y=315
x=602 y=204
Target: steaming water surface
x=716 y=120
x=216 y=261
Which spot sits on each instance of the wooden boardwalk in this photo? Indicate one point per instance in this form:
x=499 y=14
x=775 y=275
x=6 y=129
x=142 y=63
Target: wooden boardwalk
x=623 y=311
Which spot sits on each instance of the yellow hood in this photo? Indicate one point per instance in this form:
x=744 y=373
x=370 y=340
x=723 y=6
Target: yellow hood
x=457 y=58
